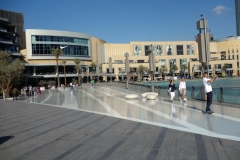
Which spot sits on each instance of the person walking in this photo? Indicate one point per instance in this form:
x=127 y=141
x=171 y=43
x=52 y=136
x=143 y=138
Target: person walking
x=208 y=90
x=171 y=89
x=182 y=89
x=93 y=83
x=30 y=90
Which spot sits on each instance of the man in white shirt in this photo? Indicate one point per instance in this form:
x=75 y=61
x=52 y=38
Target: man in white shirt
x=208 y=90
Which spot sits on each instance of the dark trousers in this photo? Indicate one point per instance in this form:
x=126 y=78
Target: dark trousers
x=209 y=100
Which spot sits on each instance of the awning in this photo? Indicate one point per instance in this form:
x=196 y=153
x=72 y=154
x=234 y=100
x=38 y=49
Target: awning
x=197 y=71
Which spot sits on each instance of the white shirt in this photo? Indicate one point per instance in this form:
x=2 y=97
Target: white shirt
x=182 y=85
x=207 y=85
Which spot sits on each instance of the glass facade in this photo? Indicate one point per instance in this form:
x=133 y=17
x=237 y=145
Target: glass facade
x=237 y=6
x=42 y=45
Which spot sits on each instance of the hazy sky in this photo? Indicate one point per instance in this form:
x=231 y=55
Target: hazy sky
x=122 y=21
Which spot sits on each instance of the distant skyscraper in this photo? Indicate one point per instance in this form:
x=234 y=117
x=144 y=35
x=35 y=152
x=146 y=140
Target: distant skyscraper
x=237 y=5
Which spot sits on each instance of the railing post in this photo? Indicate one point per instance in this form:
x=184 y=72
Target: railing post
x=193 y=95
x=221 y=94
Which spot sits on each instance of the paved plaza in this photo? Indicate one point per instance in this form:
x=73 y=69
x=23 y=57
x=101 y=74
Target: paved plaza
x=99 y=123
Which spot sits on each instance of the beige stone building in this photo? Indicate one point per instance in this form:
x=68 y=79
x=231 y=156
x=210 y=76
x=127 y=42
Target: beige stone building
x=40 y=63
x=224 y=51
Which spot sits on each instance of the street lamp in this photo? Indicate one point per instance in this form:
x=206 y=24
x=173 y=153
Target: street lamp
x=152 y=65
x=82 y=75
x=127 y=67
x=110 y=69
x=87 y=74
x=97 y=70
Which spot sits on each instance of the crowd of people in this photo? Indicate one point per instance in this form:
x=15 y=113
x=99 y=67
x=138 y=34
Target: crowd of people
x=30 y=90
x=182 y=90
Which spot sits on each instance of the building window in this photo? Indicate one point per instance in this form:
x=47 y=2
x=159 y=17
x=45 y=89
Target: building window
x=183 y=62
x=118 y=61
x=147 y=50
x=162 y=62
x=193 y=59
x=169 y=50
x=140 y=61
x=137 y=50
x=158 y=50
x=190 y=49
x=179 y=49
x=233 y=57
x=172 y=62
x=108 y=70
x=45 y=49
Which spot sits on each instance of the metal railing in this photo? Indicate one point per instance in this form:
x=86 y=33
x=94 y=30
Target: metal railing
x=229 y=95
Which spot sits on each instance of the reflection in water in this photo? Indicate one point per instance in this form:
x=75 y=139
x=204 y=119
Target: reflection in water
x=183 y=115
x=173 y=111
x=209 y=124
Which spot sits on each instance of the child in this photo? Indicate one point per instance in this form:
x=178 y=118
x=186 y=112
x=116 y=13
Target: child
x=182 y=89
x=171 y=89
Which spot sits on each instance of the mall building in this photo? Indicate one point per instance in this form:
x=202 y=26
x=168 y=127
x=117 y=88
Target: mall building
x=40 y=63
x=223 y=51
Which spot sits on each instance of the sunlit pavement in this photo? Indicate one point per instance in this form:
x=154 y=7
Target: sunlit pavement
x=179 y=130
x=110 y=101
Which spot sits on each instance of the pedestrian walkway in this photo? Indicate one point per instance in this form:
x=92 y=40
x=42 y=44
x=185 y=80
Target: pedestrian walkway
x=98 y=123
x=110 y=101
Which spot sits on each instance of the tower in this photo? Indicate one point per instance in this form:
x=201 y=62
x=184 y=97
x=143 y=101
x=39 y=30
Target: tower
x=237 y=6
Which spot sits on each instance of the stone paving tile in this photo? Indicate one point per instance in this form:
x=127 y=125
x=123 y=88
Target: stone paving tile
x=49 y=133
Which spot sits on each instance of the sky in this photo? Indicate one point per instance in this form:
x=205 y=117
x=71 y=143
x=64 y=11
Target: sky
x=122 y=21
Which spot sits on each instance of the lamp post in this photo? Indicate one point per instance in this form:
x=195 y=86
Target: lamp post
x=127 y=67
x=110 y=69
x=82 y=75
x=97 y=70
x=87 y=74
x=152 y=65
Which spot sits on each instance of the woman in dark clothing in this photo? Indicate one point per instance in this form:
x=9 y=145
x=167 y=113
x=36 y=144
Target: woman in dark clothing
x=171 y=89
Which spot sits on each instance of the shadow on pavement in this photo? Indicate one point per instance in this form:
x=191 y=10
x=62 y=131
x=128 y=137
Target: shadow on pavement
x=5 y=139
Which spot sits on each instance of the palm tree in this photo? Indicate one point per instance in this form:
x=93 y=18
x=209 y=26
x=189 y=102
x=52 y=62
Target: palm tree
x=164 y=69
x=121 y=71
x=78 y=68
x=131 y=71
x=57 y=52
x=224 y=67
x=140 y=70
x=64 y=65
x=174 y=68
x=93 y=65
x=184 y=67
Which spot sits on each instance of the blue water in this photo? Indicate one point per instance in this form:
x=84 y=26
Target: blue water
x=220 y=82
